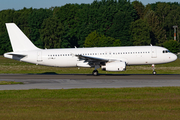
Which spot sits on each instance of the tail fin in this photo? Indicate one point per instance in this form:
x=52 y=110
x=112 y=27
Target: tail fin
x=19 y=41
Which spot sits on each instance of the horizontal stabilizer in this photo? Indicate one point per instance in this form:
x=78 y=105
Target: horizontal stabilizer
x=20 y=55
x=16 y=56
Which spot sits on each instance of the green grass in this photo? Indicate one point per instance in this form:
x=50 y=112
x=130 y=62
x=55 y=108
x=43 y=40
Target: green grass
x=91 y=104
x=12 y=66
x=9 y=82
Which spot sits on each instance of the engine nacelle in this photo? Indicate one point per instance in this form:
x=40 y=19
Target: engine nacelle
x=114 y=66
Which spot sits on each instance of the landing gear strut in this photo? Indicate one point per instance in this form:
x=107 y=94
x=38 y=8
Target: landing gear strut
x=153 y=67
x=95 y=72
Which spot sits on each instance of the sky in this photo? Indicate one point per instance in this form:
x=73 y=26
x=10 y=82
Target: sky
x=20 y=4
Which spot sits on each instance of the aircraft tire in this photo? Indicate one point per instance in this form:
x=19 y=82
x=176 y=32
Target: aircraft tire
x=154 y=73
x=95 y=73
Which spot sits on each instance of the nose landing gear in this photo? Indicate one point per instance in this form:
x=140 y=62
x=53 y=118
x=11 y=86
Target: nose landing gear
x=153 y=67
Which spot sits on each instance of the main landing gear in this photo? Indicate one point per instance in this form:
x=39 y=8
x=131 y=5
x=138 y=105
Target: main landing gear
x=153 y=67
x=95 y=72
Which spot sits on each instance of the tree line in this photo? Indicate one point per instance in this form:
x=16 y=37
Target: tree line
x=101 y=23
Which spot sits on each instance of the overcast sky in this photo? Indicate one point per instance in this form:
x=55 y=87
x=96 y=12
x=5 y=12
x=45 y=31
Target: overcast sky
x=20 y=4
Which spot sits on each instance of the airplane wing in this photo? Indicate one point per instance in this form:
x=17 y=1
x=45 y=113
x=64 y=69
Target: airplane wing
x=91 y=59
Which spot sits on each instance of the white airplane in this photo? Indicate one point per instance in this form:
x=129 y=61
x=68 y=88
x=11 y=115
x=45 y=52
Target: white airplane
x=108 y=58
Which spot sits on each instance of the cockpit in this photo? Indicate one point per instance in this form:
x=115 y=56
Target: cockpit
x=166 y=51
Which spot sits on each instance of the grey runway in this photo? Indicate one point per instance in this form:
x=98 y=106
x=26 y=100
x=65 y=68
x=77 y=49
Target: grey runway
x=59 y=81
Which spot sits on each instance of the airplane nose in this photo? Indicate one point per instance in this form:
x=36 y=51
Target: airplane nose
x=173 y=57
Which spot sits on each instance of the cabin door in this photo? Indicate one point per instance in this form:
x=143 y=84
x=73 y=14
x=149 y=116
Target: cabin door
x=153 y=53
x=39 y=56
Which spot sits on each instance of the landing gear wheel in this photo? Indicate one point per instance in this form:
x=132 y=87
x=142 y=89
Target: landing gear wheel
x=154 y=72
x=153 y=67
x=95 y=73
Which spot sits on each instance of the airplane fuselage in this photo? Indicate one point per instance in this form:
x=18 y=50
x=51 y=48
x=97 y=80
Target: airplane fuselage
x=141 y=55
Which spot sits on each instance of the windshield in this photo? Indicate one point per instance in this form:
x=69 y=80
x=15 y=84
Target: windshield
x=166 y=51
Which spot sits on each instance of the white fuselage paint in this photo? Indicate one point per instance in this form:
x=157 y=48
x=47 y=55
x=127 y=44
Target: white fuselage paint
x=138 y=55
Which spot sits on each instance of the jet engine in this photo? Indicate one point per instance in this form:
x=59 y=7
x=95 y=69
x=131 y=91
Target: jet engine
x=114 y=66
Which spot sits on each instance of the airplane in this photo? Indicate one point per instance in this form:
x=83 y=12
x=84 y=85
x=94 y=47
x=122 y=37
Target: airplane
x=106 y=58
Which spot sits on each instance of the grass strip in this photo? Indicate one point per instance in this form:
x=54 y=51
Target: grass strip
x=9 y=82
x=97 y=104
x=15 y=67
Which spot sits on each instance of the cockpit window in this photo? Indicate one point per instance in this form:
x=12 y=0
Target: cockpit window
x=166 y=51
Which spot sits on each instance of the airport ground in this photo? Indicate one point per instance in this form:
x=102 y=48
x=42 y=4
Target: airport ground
x=146 y=96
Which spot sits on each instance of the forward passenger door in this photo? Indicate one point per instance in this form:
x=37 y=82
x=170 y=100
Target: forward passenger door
x=153 y=53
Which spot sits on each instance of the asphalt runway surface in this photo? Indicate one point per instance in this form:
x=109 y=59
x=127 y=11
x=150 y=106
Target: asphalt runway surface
x=65 y=81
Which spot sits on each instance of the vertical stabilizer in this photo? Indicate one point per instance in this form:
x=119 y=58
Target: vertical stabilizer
x=19 y=41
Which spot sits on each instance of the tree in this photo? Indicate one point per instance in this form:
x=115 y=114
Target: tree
x=157 y=33
x=35 y=20
x=139 y=7
x=116 y=22
x=6 y=16
x=162 y=11
x=21 y=18
x=5 y=45
x=172 y=45
x=172 y=19
x=92 y=40
x=108 y=17
x=120 y=28
x=95 y=39
x=140 y=32
x=67 y=15
x=121 y=22
x=51 y=33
